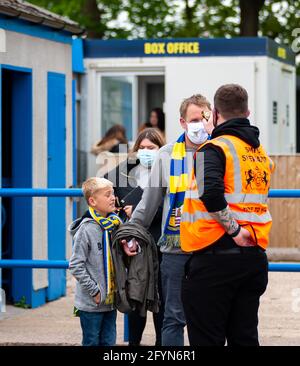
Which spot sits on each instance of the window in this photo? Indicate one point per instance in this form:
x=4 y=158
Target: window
x=116 y=103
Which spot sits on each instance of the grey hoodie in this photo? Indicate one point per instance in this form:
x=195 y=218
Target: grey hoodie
x=87 y=266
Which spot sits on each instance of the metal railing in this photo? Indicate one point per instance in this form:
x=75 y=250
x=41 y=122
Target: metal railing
x=76 y=192
x=37 y=263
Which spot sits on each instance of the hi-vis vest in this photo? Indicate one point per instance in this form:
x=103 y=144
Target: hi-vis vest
x=246 y=181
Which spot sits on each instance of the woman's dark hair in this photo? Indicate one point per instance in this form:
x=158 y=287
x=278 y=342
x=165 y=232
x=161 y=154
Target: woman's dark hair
x=152 y=134
x=160 y=118
x=115 y=132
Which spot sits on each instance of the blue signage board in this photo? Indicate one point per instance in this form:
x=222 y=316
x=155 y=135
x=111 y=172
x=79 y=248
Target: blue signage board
x=188 y=47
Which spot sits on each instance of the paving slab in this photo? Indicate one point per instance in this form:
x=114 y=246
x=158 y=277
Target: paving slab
x=54 y=324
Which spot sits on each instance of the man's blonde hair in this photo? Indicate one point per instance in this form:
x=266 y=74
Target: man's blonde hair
x=92 y=185
x=196 y=99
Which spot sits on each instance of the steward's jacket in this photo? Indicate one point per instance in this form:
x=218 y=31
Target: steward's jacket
x=246 y=183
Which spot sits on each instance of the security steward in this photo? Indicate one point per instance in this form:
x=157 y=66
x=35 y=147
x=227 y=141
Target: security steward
x=227 y=229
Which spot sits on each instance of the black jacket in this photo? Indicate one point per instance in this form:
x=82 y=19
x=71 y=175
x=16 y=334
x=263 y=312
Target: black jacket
x=124 y=183
x=137 y=276
x=214 y=167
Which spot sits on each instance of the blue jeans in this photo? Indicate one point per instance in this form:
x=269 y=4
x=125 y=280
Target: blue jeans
x=98 y=329
x=172 y=272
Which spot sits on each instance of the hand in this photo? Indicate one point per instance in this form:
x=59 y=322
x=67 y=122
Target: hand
x=97 y=298
x=209 y=124
x=244 y=239
x=129 y=251
x=128 y=210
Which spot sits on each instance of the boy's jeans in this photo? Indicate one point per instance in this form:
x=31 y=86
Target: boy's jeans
x=172 y=272
x=98 y=329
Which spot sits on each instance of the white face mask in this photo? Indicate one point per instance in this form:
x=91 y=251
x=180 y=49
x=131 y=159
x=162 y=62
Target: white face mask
x=146 y=157
x=196 y=132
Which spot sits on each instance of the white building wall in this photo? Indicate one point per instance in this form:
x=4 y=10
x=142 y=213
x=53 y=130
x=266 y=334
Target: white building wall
x=204 y=76
x=185 y=76
x=281 y=89
x=42 y=56
x=261 y=100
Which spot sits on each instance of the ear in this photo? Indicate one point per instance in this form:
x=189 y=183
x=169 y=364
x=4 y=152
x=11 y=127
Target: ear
x=248 y=113
x=91 y=201
x=215 y=114
x=183 y=123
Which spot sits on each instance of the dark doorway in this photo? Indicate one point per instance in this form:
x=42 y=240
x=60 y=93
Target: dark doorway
x=16 y=153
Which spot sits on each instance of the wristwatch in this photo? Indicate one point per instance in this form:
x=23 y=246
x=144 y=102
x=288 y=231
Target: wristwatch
x=236 y=232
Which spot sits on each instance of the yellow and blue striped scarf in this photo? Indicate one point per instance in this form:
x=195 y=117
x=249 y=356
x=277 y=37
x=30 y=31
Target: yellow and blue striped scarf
x=108 y=224
x=178 y=186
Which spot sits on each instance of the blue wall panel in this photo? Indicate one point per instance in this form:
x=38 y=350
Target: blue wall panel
x=74 y=143
x=1 y=170
x=56 y=179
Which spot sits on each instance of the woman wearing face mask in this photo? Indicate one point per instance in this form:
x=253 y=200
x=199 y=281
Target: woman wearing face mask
x=130 y=178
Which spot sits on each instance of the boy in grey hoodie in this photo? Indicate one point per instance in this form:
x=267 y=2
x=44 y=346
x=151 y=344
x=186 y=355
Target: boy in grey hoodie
x=91 y=264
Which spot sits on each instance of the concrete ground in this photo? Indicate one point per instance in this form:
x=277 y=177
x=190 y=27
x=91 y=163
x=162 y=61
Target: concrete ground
x=53 y=323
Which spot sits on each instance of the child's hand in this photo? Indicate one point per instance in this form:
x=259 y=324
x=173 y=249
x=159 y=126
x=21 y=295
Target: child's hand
x=97 y=298
x=129 y=251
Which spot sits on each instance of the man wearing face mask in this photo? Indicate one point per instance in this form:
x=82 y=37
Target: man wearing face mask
x=168 y=181
x=227 y=229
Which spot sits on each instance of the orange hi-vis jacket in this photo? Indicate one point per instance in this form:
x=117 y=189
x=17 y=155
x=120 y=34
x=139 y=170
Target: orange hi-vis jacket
x=246 y=182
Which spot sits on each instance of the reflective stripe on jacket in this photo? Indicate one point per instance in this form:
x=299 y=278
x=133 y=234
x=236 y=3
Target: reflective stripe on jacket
x=246 y=182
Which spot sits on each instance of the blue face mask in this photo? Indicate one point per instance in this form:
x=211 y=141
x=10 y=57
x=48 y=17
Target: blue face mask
x=146 y=157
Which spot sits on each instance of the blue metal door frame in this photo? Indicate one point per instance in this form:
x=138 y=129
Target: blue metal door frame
x=1 y=171
x=56 y=115
x=21 y=175
x=74 y=143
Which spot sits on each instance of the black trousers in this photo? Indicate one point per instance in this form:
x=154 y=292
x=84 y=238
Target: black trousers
x=220 y=295
x=137 y=323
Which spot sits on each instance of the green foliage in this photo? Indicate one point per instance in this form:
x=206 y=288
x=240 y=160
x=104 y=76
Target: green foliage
x=92 y=15
x=176 y=18
x=151 y=19
x=278 y=19
x=219 y=20
x=22 y=303
x=70 y=8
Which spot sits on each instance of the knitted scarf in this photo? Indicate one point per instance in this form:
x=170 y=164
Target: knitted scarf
x=178 y=185
x=108 y=224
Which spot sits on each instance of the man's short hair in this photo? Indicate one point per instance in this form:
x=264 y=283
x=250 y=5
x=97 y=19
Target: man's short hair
x=231 y=101
x=94 y=184
x=196 y=99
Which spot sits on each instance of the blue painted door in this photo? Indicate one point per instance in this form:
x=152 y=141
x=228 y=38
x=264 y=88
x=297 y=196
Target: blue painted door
x=56 y=179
